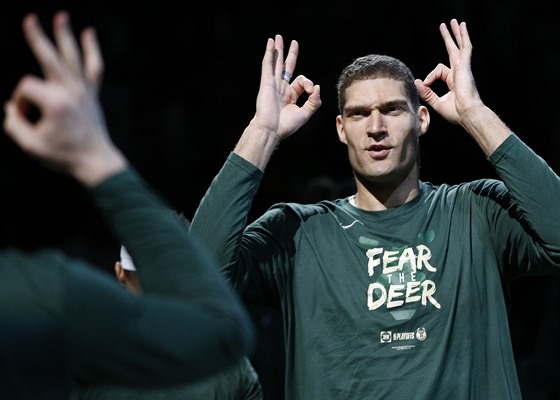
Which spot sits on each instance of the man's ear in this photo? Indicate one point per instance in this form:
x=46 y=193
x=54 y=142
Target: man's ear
x=424 y=119
x=119 y=273
x=340 y=130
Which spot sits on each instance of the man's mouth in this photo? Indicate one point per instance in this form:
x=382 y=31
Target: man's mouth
x=378 y=151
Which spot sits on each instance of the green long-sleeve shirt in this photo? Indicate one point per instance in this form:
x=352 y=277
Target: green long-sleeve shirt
x=62 y=320
x=406 y=303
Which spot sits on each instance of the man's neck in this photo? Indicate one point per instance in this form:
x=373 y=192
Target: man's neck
x=378 y=197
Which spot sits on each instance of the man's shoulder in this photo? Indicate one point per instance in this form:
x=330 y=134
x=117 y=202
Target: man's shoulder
x=307 y=209
x=477 y=186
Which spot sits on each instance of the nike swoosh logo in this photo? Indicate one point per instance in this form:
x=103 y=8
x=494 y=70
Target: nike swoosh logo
x=349 y=226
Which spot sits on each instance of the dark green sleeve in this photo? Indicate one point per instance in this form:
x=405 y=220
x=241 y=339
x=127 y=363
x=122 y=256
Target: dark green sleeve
x=247 y=254
x=189 y=323
x=535 y=189
x=222 y=215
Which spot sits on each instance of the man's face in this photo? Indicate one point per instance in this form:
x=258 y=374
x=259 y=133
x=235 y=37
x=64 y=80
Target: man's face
x=381 y=129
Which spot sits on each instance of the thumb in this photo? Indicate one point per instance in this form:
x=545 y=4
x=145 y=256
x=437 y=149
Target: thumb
x=426 y=93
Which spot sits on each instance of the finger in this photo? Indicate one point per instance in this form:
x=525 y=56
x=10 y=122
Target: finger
x=299 y=86
x=93 y=59
x=279 y=56
x=425 y=92
x=465 y=39
x=456 y=32
x=66 y=42
x=302 y=85
x=19 y=128
x=291 y=59
x=267 y=68
x=31 y=91
x=439 y=72
x=450 y=45
x=42 y=47
x=312 y=103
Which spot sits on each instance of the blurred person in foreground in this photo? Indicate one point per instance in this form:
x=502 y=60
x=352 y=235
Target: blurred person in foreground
x=239 y=382
x=63 y=320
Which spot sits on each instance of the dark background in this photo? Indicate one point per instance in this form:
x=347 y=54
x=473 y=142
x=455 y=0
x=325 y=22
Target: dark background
x=180 y=85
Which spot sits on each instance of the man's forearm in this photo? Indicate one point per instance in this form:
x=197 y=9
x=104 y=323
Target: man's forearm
x=256 y=145
x=485 y=127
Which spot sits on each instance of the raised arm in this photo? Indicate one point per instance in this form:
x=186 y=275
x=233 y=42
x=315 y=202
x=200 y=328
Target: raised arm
x=278 y=114
x=533 y=185
x=462 y=104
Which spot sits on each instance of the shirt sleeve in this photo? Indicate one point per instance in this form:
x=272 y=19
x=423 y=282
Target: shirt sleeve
x=188 y=324
x=535 y=190
x=222 y=215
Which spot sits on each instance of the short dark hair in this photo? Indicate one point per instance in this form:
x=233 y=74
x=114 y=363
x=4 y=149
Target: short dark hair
x=375 y=66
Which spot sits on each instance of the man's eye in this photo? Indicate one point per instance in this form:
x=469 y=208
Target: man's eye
x=362 y=113
x=358 y=116
x=394 y=110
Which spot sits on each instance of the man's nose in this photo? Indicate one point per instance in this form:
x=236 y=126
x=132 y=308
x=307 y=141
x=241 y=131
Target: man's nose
x=376 y=123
